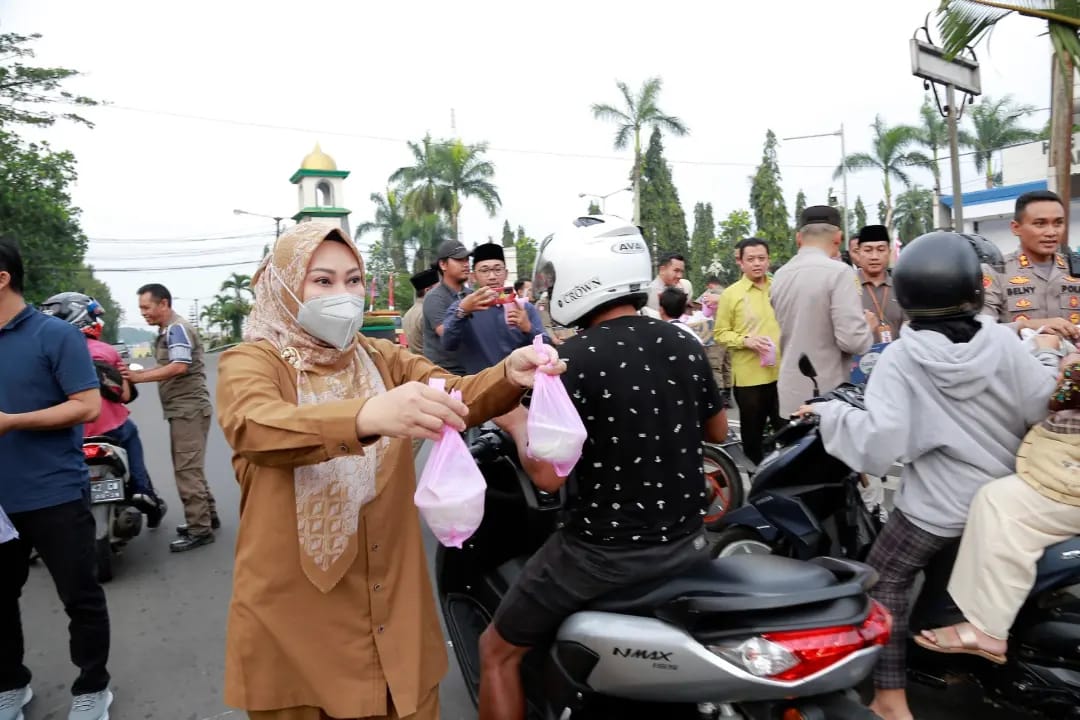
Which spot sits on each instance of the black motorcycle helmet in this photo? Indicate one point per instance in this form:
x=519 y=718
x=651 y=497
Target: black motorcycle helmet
x=939 y=276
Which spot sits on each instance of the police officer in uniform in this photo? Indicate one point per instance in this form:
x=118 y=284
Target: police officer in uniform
x=1035 y=289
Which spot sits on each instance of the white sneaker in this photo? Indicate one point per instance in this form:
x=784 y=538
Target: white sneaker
x=12 y=703
x=91 y=706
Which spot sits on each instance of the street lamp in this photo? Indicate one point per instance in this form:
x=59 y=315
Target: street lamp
x=843 y=165
x=277 y=220
x=603 y=198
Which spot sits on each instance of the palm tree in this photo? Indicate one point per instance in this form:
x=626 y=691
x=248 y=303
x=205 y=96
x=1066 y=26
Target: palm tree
x=239 y=284
x=390 y=222
x=426 y=191
x=933 y=134
x=996 y=125
x=914 y=214
x=424 y=233
x=638 y=112
x=467 y=175
x=890 y=156
x=965 y=22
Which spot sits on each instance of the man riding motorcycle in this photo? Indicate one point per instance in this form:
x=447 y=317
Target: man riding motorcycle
x=114 y=422
x=646 y=394
x=974 y=389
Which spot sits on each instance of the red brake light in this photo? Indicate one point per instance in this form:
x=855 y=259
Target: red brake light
x=93 y=452
x=820 y=648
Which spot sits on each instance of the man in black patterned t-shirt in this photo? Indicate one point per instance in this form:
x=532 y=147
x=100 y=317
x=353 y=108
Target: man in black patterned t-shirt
x=646 y=394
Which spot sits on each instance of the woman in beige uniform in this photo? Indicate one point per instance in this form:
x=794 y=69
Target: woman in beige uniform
x=332 y=613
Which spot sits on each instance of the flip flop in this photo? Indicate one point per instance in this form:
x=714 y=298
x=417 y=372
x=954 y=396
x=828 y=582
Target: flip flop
x=969 y=644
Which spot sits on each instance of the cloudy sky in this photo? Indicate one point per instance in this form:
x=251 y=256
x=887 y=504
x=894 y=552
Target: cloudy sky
x=214 y=104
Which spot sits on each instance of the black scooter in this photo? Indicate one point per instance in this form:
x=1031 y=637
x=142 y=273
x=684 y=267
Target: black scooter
x=750 y=638
x=805 y=503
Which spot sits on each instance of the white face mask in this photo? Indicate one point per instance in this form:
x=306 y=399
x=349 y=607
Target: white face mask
x=334 y=319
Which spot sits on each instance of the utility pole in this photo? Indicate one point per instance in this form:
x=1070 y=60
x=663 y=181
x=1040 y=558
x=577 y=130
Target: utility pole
x=951 y=115
x=843 y=166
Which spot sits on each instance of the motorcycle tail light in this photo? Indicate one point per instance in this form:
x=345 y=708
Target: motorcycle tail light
x=758 y=656
x=94 y=452
x=798 y=654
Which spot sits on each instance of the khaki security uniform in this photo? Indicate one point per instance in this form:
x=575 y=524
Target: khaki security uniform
x=413 y=325
x=881 y=300
x=817 y=302
x=185 y=400
x=1024 y=291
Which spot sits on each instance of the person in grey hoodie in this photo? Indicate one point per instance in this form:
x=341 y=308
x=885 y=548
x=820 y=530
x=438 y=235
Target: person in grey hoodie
x=952 y=399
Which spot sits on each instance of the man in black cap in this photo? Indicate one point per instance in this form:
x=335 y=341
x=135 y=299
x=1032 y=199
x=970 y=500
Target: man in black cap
x=486 y=326
x=816 y=299
x=413 y=322
x=877 y=293
x=452 y=263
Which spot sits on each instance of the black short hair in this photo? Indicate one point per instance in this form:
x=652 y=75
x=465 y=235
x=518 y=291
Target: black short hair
x=1033 y=197
x=635 y=300
x=518 y=285
x=11 y=263
x=157 y=291
x=673 y=301
x=713 y=280
x=666 y=258
x=750 y=242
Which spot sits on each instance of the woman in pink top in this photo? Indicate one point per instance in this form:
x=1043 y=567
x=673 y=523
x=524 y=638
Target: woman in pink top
x=114 y=422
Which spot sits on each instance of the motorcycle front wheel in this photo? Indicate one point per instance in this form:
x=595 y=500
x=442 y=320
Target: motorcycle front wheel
x=734 y=541
x=724 y=488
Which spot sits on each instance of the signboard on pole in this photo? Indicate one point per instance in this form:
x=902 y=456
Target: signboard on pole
x=930 y=63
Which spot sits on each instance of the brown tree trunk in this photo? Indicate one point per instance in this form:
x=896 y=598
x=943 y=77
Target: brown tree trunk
x=1061 y=131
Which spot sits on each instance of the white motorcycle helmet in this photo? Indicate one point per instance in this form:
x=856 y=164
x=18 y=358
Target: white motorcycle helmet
x=599 y=259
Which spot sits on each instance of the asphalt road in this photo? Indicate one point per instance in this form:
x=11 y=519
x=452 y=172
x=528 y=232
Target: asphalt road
x=168 y=614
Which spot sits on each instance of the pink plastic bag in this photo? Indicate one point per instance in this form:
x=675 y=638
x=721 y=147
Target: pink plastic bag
x=768 y=356
x=555 y=431
x=450 y=494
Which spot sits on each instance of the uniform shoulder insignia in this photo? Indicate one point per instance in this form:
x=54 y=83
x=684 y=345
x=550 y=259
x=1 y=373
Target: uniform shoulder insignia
x=1023 y=303
x=987 y=281
x=1021 y=316
x=1060 y=261
x=1023 y=260
x=1019 y=280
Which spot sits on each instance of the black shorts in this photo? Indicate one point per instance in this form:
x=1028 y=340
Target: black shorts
x=567 y=573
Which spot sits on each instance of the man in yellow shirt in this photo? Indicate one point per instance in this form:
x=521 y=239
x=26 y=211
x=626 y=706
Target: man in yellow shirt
x=746 y=325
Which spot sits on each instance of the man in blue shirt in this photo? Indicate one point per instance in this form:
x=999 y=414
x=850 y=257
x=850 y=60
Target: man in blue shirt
x=48 y=389
x=484 y=327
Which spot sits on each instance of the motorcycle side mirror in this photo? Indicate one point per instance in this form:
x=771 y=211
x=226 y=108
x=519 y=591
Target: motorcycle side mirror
x=136 y=367
x=806 y=367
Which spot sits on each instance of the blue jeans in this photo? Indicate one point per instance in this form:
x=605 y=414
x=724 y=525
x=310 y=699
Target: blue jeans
x=127 y=437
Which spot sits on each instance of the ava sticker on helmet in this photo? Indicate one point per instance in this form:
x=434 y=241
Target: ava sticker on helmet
x=1019 y=280
x=579 y=291
x=628 y=247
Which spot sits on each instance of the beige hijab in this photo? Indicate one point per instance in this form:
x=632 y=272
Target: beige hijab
x=330 y=494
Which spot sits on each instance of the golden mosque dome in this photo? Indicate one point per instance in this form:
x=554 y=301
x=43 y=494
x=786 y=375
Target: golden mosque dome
x=318 y=160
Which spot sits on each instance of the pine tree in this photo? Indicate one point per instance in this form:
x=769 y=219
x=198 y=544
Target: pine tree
x=800 y=205
x=594 y=208
x=507 y=235
x=860 y=214
x=767 y=202
x=662 y=216
x=702 y=243
x=734 y=228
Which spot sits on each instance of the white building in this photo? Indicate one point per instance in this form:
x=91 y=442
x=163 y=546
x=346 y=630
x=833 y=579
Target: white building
x=1024 y=168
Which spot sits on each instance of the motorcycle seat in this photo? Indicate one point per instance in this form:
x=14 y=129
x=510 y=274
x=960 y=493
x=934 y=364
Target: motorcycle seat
x=747 y=581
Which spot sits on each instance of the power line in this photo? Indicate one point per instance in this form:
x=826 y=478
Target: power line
x=148 y=269
x=207 y=238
